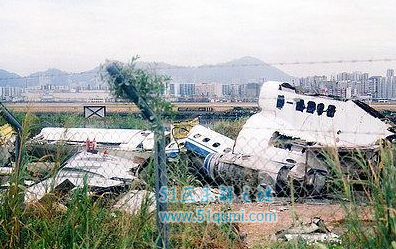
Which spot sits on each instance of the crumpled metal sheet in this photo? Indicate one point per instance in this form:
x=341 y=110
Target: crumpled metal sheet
x=132 y=201
x=97 y=170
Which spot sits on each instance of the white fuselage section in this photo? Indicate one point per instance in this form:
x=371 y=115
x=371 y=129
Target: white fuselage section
x=324 y=121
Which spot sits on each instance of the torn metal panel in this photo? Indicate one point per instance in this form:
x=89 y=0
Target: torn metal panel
x=7 y=146
x=136 y=142
x=107 y=136
x=6 y=134
x=39 y=190
x=148 y=142
x=314 y=231
x=173 y=149
x=107 y=166
x=181 y=129
x=124 y=139
x=204 y=141
x=100 y=171
x=6 y=171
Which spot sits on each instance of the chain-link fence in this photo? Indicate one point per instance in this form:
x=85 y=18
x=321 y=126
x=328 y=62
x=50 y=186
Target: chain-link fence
x=283 y=171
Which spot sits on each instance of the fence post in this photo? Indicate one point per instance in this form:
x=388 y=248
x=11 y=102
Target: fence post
x=159 y=147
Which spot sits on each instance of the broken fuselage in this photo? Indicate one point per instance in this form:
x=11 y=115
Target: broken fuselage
x=280 y=143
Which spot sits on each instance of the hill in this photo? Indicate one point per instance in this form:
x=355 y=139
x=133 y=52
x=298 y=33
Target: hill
x=243 y=70
x=10 y=79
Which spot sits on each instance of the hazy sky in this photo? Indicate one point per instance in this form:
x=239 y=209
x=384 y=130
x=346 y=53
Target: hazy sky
x=76 y=35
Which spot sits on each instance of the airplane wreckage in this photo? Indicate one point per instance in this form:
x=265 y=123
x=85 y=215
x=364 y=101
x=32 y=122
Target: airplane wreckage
x=283 y=142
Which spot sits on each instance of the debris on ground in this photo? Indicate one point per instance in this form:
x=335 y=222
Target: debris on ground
x=99 y=171
x=122 y=139
x=314 y=231
x=277 y=209
x=132 y=201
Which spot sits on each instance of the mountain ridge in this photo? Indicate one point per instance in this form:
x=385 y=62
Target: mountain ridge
x=242 y=70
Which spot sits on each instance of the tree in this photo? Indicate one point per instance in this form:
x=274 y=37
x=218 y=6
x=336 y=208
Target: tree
x=150 y=85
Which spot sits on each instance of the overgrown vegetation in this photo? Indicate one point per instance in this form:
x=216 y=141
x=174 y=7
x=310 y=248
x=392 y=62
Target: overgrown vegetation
x=150 y=85
x=230 y=129
x=377 y=228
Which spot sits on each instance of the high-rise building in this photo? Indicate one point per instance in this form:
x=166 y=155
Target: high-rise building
x=252 y=90
x=186 y=89
x=172 y=89
x=205 y=89
x=343 y=76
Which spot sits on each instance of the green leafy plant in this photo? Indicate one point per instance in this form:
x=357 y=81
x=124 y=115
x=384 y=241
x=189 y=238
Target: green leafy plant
x=150 y=85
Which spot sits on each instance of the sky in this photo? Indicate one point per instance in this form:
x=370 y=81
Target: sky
x=77 y=35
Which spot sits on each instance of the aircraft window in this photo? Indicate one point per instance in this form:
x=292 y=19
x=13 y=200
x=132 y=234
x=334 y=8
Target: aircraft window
x=320 y=108
x=288 y=86
x=290 y=160
x=330 y=111
x=311 y=107
x=197 y=135
x=226 y=150
x=206 y=139
x=216 y=144
x=280 y=102
x=300 y=106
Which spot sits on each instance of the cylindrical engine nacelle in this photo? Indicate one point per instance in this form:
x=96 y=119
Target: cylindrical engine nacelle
x=221 y=170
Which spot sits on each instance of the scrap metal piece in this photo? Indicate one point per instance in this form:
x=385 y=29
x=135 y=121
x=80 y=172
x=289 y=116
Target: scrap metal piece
x=174 y=148
x=133 y=201
x=312 y=232
x=6 y=134
x=124 y=139
x=98 y=171
x=181 y=129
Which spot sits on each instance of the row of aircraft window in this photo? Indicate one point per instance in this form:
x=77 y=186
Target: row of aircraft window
x=310 y=107
x=215 y=145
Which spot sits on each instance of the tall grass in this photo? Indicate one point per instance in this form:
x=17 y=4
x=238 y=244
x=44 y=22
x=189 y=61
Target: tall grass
x=229 y=129
x=370 y=215
x=85 y=223
x=197 y=235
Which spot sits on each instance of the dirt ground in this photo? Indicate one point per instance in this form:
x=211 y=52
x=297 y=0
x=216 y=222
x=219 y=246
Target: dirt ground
x=332 y=214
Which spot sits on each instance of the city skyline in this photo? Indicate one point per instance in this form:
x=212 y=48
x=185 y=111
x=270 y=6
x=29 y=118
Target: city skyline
x=346 y=85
